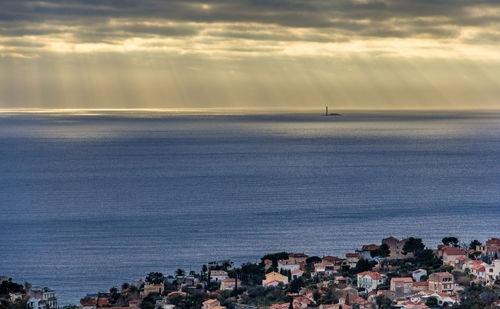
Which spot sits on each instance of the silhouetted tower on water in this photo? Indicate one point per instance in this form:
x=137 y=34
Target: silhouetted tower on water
x=326 y=111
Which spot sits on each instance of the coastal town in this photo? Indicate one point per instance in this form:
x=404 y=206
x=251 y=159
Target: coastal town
x=396 y=273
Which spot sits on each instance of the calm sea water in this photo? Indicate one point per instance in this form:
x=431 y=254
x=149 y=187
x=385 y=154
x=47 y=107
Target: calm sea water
x=88 y=202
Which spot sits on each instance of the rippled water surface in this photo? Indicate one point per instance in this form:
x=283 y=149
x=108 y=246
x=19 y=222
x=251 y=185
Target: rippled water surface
x=90 y=201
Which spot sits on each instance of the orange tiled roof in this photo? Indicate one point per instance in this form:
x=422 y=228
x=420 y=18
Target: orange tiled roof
x=403 y=279
x=370 y=247
x=372 y=274
x=453 y=251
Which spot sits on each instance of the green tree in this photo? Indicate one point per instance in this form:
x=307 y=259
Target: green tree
x=155 y=278
x=413 y=245
x=450 y=241
x=383 y=302
x=384 y=250
x=180 y=272
x=364 y=265
x=431 y=302
x=474 y=243
x=147 y=303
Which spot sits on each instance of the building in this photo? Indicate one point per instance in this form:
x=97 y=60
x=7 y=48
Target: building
x=396 y=248
x=324 y=269
x=452 y=255
x=297 y=257
x=370 y=280
x=288 y=265
x=36 y=303
x=210 y=304
x=296 y=274
x=45 y=294
x=420 y=286
x=366 y=252
x=418 y=274
x=229 y=284
x=152 y=289
x=402 y=287
x=218 y=275
x=493 y=272
x=274 y=279
x=335 y=260
x=351 y=259
x=335 y=306
x=442 y=282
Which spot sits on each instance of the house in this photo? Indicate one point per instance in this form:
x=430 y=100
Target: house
x=493 y=242
x=154 y=288
x=412 y=305
x=88 y=302
x=13 y=297
x=273 y=279
x=210 y=304
x=452 y=255
x=297 y=273
x=366 y=252
x=288 y=265
x=324 y=269
x=229 y=284
x=420 y=286
x=493 y=272
x=370 y=280
x=297 y=257
x=351 y=259
x=418 y=274
x=346 y=294
x=45 y=294
x=335 y=306
x=396 y=248
x=477 y=268
x=402 y=287
x=218 y=275
x=36 y=303
x=301 y=302
x=342 y=281
x=285 y=306
x=441 y=282
x=267 y=264
x=335 y=260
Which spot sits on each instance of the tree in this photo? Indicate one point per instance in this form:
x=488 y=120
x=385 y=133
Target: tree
x=450 y=241
x=295 y=285
x=427 y=258
x=364 y=265
x=413 y=245
x=383 y=302
x=155 y=278
x=431 y=302
x=148 y=303
x=180 y=272
x=384 y=250
x=474 y=243
x=125 y=286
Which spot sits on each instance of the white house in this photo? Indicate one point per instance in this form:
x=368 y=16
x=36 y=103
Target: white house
x=218 y=275
x=493 y=272
x=289 y=265
x=324 y=269
x=418 y=274
x=36 y=303
x=45 y=294
x=370 y=280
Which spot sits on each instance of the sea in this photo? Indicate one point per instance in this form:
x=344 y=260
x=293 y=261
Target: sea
x=89 y=200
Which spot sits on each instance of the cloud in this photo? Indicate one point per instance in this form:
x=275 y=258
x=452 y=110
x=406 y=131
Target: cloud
x=280 y=27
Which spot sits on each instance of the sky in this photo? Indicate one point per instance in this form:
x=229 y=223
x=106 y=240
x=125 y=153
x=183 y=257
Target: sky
x=284 y=54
